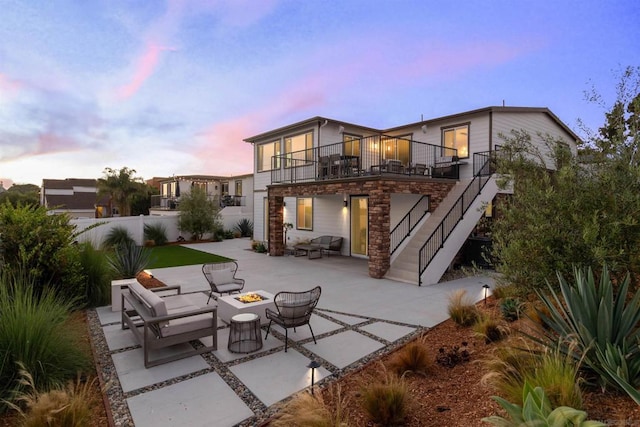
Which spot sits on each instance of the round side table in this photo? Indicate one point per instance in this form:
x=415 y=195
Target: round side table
x=245 y=335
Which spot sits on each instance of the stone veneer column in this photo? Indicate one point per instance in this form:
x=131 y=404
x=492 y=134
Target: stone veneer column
x=276 y=232
x=379 y=228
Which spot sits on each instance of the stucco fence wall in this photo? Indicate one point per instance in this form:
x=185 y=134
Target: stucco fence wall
x=135 y=226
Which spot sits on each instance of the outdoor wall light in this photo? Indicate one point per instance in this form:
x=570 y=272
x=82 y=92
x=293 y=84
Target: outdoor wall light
x=346 y=203
x=313 y=365
x=486 y=291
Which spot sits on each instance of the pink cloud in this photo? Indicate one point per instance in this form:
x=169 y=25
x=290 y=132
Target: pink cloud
x=9 y=86
x=143 y=70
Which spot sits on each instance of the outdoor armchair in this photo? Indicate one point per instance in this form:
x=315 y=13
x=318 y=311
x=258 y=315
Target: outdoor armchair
x=293 y=309
x=222 y=278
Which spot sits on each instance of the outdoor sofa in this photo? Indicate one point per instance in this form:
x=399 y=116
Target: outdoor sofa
x=320 y=245
x=162 y=317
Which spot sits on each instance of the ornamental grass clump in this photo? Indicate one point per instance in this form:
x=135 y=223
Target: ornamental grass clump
x=512 y=365
x=414 y=358
x=69 y=406
x=116 y=237
x=311 y=410
x=490 y=328
x=462 y=309
x=156 y=233
x=386 y=400
x=594 y=323
x=128 y=260
x=35 y=331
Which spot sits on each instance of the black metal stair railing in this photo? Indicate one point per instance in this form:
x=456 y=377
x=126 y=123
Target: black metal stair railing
x=482 y=170
x=406 y=225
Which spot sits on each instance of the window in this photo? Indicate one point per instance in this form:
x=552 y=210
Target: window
x=225 y=188
x=457 y=137
x=298 y=149
x=304 y=214
x=238 y=188
x=265 y=154
x=351 y=144
x=397 y=148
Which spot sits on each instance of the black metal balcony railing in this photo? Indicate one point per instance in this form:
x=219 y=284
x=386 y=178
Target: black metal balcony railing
x=406 y=225
x=373 y=155
x=171 y=203
x=482 y=171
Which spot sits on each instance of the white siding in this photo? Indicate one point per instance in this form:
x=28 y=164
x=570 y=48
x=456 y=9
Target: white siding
x=534 y=123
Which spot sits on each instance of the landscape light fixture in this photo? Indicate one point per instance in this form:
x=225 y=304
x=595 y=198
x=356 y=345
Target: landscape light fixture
x=313 y=365
x=486 y=291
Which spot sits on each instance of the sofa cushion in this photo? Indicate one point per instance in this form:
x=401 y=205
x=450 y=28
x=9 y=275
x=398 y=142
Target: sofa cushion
x=221 y=277
x=157 y=306
x=188 y=324
x=175 y=302
x=229 y=287
x=136 y=289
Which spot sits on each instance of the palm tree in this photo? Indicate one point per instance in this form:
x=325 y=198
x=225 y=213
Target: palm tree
x=120 y=185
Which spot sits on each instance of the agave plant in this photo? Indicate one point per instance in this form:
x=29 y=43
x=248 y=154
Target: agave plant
x=537 y=411
x=245 y=227
x=603 y=326
x=128 y=260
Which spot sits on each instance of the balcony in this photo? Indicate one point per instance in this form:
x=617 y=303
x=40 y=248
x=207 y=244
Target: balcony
x=172 y=203
x=370 y=156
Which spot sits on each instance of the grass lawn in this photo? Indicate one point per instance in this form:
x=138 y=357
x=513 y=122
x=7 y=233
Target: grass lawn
x=175 y=256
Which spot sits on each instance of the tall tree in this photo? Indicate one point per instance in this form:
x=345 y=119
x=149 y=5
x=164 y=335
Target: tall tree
x=198 y=214
x=121 y=186
x=585 y=212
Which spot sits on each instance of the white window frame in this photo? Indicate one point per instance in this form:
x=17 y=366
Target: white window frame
x=294 y=144
x=457 y=144
x=265 y=164
x=302 y=204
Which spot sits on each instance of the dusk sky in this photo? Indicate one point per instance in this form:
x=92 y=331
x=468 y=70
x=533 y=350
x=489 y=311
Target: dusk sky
x=173 y=87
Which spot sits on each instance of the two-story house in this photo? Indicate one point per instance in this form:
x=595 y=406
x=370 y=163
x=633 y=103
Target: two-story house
x=233 y=194
x=405 y=198
x=75 y=196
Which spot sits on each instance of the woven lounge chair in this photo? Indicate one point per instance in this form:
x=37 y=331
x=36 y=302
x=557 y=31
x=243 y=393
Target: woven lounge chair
x=293 y=309
x=222 y=278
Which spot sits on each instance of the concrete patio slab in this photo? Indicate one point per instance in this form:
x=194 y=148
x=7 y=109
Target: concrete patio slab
x=202 y=401
x=349 y=320
x=344 y=348
x=320 y=326
x=107 y=316
x=118 y=338
x=387 y=331
x=133 y=375
x=276 y=376
x=224 y=355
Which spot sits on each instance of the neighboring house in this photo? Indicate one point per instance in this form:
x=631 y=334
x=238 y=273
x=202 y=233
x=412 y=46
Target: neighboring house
x=76 y=197
x=405 y=198
x=233 y=194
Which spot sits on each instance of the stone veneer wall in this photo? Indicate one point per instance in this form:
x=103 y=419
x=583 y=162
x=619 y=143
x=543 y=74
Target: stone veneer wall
x=379 y=190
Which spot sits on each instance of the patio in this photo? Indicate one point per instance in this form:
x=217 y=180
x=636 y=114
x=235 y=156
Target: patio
x=358 y=318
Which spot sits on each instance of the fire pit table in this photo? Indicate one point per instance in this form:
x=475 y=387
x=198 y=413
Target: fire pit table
x=248 y=302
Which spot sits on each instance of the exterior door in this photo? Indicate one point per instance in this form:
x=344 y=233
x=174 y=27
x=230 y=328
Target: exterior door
x=359 y=226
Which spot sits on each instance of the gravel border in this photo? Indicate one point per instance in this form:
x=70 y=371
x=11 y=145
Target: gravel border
x=115 y=399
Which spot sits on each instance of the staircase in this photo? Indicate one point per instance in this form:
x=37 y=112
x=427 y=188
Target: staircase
x=405 y=265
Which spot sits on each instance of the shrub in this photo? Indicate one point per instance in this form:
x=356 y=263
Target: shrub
x=258 y=247
x=116 y=237
x=461 y=308
x=245 y=227
x=504 y=291
x=96 y=274
x=386 y=402
x=69 y=406
x=36 y=332
x=128 y=260
x=453 y=356
x=157 y=233
x=489 y=328
x=199 y=215
x=538 y=411
x=228 y=234
x=510 y=367
x=414 y=358
x=510 y=309
x=43 y=245
x=591 y=322
x=310 y=410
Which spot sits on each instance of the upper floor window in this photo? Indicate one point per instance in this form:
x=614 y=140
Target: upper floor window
x=298 y=149
x=238 y=188
x=397 y=148
x=351 y=144
x=225 y=188
x=304 y=213
x=457 y=137
x=265 y=156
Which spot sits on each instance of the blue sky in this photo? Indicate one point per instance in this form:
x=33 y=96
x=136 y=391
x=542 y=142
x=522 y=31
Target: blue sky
x=173 y=87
